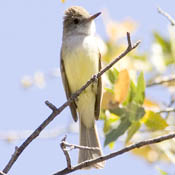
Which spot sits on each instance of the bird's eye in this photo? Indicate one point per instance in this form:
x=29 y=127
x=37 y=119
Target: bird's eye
x=76 y=21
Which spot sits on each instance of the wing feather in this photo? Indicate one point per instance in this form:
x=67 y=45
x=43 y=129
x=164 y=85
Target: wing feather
x=67 y=90
x=99 y=93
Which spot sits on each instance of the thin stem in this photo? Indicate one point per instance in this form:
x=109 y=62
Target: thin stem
x=116 y=153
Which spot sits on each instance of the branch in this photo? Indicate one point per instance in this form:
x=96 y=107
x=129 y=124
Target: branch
x=1 y=173
x=167 y=110
x=63 y=147
x=117 y=153
x=161 y=82
x=56 y=111
x=72 y=146
x=170 y=19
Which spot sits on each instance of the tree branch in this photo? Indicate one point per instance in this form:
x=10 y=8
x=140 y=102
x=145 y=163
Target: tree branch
x=167 y=110
x=170 y=19
x=161 y=82
x=56 y=111
x=1 y=173
x=117 y=153
x=73 y=146
x=65 y=151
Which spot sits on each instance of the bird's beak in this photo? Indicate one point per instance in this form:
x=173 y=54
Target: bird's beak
x=93 y=16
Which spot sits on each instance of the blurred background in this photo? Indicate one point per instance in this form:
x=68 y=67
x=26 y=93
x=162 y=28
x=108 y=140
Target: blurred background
x=30 y=41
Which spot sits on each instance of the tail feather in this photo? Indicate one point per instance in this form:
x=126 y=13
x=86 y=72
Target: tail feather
x=89 y=137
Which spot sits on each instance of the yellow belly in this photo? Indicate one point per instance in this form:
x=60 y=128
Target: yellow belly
x=81 y=62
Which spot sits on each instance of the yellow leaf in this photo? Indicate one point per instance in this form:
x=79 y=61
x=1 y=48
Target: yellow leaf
x=150 y=103
x=117 y=30
x=108 y=97
x=111 y=29
x=122 y=86
x=111 y=145
x=63 y=1
x=148 y=153
x=129 y=25
x=154 y=121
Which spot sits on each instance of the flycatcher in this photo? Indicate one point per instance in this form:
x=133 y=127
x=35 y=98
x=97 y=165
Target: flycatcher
x=80 y=60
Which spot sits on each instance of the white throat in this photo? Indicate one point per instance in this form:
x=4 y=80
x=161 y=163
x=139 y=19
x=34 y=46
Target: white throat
x=82 y=29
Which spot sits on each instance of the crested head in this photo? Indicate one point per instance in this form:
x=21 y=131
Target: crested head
x=76 y=12
x=77 y=20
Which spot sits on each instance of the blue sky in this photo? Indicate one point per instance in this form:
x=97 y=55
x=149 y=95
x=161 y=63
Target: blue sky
x=30 y=39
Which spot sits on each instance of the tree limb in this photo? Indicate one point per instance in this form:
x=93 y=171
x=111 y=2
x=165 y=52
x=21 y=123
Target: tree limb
x=73 y=146
x=65 y=151
x=170 y=19
x=1 y=173
x=117 y=153
x=161 y=82
x=167 y=110
x=56 y=111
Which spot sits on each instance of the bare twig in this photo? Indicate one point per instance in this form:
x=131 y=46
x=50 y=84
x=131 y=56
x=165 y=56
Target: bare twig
x=72 y=146
x=117 y=153
x=13 y=158
x=51 y=106
x=170 y=19
x=172 y=101
x=63 y=147
x=167 y=110
x=1 y=173
x=161 y=82
x=56 y=111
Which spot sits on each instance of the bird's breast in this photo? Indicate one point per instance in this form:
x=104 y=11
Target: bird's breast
x=81 y=60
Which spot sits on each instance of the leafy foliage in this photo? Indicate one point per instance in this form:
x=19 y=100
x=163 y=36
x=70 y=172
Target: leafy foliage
x=131 y=112
x=132 y=130
x=154 y=121
x=127 y=107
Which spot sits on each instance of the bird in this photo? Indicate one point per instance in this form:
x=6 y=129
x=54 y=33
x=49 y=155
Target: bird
x=80 y=59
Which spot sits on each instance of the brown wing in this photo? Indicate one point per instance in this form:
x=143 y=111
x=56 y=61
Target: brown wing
x=67 y=90
x=99 y=93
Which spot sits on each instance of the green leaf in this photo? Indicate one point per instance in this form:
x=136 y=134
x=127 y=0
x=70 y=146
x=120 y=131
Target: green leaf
x=172 y=41
x=162 y=172
x=112 y=75
x=128 y=115
x=135 y=112
x=108 y=121
x=131 y=94
x=116 y=72
x=154 y=121
x=140 y=92
x=109 y=90
x=136 y=93
x=118 y=131
x=142 y=57
x=166 y=47
x=122 y=112
x=165 y=44
x=132 y=130
x=102 y=115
